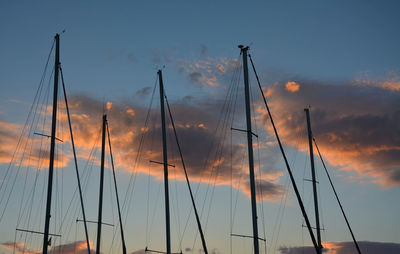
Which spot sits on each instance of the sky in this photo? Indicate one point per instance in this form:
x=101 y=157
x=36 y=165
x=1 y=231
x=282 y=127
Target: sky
x=339 y=58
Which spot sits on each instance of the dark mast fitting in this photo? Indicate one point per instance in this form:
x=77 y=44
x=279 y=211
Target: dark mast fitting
x=314 y=181
x=165 y=162
x=52 y=146
x=99 y=222
x=243 y=51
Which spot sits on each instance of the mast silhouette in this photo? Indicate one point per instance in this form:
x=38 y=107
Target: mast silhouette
x=52 y=146
x=243 y=51
x=165 y=162
x=314 y=181
x=103 y=138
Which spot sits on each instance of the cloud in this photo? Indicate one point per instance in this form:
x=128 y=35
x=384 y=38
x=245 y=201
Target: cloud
x=195 y=121
x=186 y=250
x=208 y=71
x=33 y=154
x=208 y=155
x=390 y=82
x=195 y=77
x=205 y=71
x=8 y=137
x=108 y=105
x=144 y=92
x=120 y=54
x=139 y=252
x=163 y=57
x=346 y=248
x=292 y=86
x=203 y=51
x=357 y=127
x=78 y=247
x=267 y=190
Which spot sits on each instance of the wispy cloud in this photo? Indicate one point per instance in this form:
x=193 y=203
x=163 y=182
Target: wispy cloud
x=207 y=71
x=390 y=82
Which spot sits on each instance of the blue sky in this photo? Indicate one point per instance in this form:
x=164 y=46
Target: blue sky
x=343 y=55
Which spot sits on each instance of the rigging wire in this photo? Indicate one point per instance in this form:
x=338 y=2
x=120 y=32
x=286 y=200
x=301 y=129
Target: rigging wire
x=235 y=81
x=187 y=179
x=220 y=147
x=175 y=203
x=38 y=92
x=337 y=198
x=32 y=111
x=28 y=139
x=116 y=190
x=128 y=197
x=152 y=138
x=258 y=186
x=75 y=161
x=287 y=164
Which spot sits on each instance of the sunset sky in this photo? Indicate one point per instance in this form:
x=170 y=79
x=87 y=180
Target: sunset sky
x=340 y=58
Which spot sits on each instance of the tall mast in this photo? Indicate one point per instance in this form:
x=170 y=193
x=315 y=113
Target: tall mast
x=165 y=162
x=314 y=182
x=52 y=146
x=243 y=51
x=103 y=139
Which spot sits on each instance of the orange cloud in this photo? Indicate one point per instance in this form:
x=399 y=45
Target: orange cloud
x=390 y=82
x=9 y=138
x=356 y=126
x=292 y=86
x=196 y=131
x=78 y=247
x=346 y=248
x=108 y=105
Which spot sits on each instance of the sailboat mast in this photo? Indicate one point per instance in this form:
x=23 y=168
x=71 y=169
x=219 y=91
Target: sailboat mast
x=250 y=148
x=165 y=162
x=52 y=146
x=99 y=222
x=314 y=182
